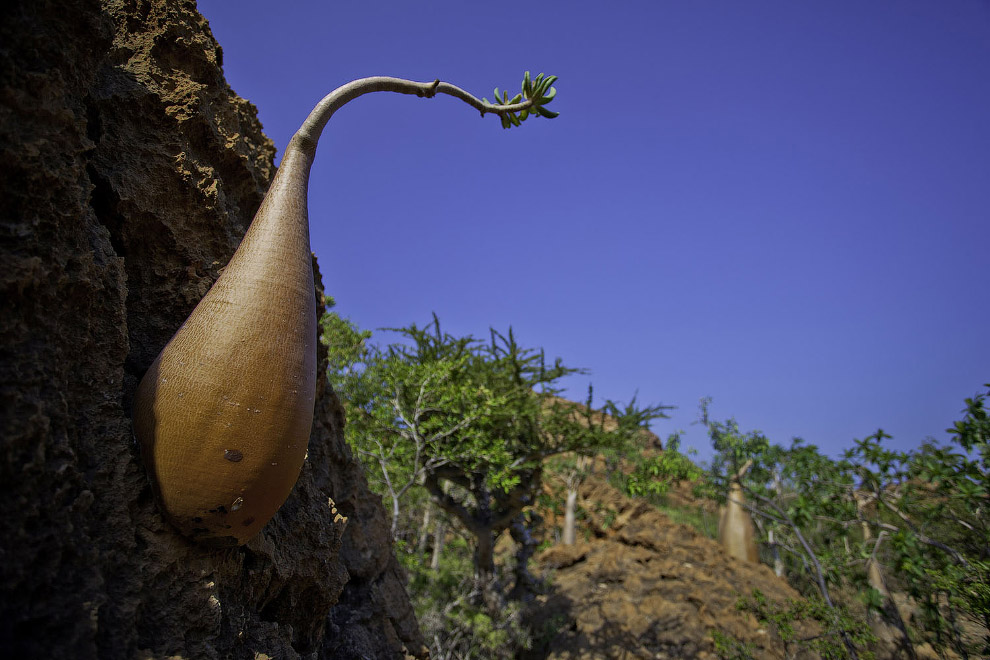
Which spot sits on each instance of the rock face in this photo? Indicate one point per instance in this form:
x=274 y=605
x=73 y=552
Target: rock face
x=130 y=171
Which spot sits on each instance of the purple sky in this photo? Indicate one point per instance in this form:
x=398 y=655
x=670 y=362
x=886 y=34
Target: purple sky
x=782 y=205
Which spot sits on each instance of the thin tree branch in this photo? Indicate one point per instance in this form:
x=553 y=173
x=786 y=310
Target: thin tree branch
x=819 y=571
x=446 y=502
x=309 y=133
x=917 y=532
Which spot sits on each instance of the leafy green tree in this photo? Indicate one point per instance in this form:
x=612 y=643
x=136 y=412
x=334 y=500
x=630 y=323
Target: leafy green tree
x=472 y=422
x=881 y=520
x=453 y=621
x=803 y=498
x=345 y=343
x=933 y=504
x=653 y=474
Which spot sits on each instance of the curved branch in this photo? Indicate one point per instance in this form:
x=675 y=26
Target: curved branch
x=309 y=133
x=452 y=506
x=927 y=540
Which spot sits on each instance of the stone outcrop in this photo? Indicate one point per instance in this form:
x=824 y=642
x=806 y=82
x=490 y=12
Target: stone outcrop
x=130 y=172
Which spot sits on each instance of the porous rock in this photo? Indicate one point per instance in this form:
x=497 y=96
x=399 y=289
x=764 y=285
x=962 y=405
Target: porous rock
x=130 y=171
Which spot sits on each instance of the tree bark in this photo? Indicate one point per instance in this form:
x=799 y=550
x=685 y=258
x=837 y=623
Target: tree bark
x=778 y=563
x=484 y=556
x=525 y=587
x=439 y=537
x=875 y=578
x=735 y=525
x=424 y=530
x=395 y=516
x=484 y=514
x=570 y=534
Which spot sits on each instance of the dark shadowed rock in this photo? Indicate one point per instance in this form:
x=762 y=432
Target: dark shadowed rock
x=130 y=171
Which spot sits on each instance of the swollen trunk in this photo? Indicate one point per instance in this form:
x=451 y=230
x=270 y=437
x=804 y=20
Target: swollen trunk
x=224 y=413
x=735 y=528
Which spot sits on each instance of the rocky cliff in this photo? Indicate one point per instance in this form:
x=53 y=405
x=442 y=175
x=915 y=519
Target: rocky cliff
x=637 y=584
x=130 y=171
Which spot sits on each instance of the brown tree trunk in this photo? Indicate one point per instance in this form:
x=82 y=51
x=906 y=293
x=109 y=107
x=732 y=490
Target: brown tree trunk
x=439 y=537
x=484 y=556
x=891 y=628
x=525 y=587
x=424 y=529
x=778 y=563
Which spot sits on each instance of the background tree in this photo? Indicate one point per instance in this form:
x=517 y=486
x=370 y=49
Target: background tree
x=932 y=503
x=876 y=521
x=613 y=431
x=804 y=499
x=472 y=422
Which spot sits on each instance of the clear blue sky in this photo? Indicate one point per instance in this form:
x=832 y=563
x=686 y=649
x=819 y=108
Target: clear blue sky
x=782 y=205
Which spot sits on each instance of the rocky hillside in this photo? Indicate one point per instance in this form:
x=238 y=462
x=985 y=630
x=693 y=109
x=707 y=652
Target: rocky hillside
x=639 y=585
x=130 y=171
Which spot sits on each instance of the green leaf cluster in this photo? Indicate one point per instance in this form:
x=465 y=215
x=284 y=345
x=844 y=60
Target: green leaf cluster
x=485 y=407
x=652 y=476
x=728 y=647
x=539 y=90
x=454 y=624
x=935 y=501
x=345 y=344
x=784 y=619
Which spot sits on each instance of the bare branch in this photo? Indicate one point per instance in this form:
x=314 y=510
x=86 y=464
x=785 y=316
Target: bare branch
x=308 y=135
x=917 y=532
x=819 y=571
